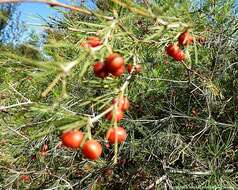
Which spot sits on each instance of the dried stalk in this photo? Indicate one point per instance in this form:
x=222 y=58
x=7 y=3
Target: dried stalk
x=50 y=3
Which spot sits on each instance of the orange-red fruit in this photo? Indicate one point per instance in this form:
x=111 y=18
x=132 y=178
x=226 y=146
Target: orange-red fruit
x=72 y=139
x=107 y=145
x=92 y=149
x=185 y=38
x=44 y=149
x=172 y=49
x=25 y=178
x=119 y=133
x=119 y=71
x=84 y=44
x=179 y=55
x=123 y=103
x=100 y=70
x=114 y=62
x=33 y=157
x=129 y=68
x=93 y=41
x=118 y=115
x=137 y=68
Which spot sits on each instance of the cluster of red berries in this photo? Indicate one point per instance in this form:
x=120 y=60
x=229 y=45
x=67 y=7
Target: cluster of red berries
x=122 y=104
x=174 y=50
x=92 y=149
x=114 y=64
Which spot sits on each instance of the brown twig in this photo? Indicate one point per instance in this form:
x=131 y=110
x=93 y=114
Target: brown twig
x=50 y=3
x=203 y=173
x=125 y=30
x=146 y=3
x=193 y=71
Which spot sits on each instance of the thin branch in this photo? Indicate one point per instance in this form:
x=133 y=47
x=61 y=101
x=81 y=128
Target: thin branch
x=96 y=118
x=146 y=3
x=50 y=3
x=54 y=3
x=26 y=99
x=230 y=66
x=157 y=182
x=2 y=108
x=205 y=173
x=125 y=30
x=161 y=79
x=193 y=71
x=18 y=133
x=52 y=85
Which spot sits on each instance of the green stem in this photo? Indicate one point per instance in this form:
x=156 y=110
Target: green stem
x=115 y=126
x=89 y=124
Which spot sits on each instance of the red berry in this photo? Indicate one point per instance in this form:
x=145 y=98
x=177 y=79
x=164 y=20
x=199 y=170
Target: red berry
x=172 y=49
x=72 y=139
x=137 y=68
x=118 y=115
x=100 y=70
x=185 y=38
x=119 y=71
x=122 y=104
x=107 y=145
x=179 y=56
x=92 y=149
x=118 y=132
x=33 y=157
x=108 y=172
x=29 y=77
x=59 y=145
x=129 y=68
x=25 y=178
x=114 y=62
x=84 y=44
x=93 y=41
x=44 y=149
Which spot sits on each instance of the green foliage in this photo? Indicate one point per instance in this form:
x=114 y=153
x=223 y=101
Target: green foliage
x=182 y=124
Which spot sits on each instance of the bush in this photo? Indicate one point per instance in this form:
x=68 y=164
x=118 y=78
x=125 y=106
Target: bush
x=182 y=121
